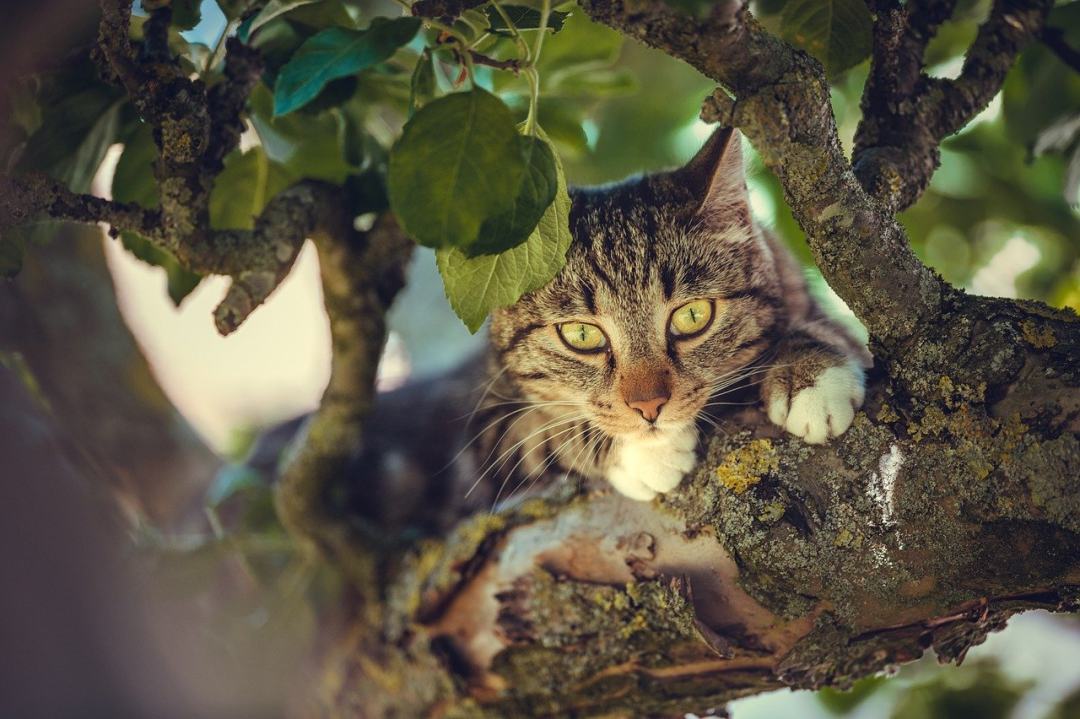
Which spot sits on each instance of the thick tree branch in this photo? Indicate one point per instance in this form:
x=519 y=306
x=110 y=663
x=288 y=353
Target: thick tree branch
x=907 y=114
x=884 y=142
x=361 y=274
x=782 y=105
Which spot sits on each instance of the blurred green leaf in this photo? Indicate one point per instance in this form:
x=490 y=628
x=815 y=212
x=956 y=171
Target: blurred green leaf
x=1041 y=88
x=306 y=146
x=234 y=9
x=844 y=702
x=535 y=192
x=186 y=14
x=133 y=180
x=524 y=18
x=271 y=10
x=477 y=285
x=836 y=32
x=80 y=120
x=457 y=164
x=1063 y=136
x=324 y=14
x=336 y=53
x=179 y=281
x=592 y=83
x=422 y=85
x=248 y=181
x=561 y=120
x=988 y=694
x=580 y=42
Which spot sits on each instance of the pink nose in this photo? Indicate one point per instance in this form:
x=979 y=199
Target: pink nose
x=649 y=408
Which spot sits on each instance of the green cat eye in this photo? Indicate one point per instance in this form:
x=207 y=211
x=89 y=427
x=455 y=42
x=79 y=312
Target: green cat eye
x=691 y=319
x=582 y=336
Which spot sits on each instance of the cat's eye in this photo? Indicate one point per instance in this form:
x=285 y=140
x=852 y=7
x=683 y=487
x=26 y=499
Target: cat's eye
x=691 y=319
x=582 y=336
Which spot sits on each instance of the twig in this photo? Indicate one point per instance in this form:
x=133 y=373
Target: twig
x=1054 y=38
x=907 y=114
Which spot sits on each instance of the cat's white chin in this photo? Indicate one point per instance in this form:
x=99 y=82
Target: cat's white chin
x=654 y=463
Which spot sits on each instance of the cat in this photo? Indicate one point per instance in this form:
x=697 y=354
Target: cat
x=671 y=298
x=671 y=294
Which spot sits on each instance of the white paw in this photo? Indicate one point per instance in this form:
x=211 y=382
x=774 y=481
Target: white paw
x=824 y=409
x=648 y=466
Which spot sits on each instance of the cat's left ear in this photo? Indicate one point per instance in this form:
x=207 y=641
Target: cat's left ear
x=717 y=180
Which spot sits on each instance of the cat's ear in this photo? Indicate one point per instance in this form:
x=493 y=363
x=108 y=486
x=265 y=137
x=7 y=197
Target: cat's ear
x=717 y=180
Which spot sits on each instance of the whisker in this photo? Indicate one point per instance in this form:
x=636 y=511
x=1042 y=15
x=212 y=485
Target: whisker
x=505 y=455
x=510 y=473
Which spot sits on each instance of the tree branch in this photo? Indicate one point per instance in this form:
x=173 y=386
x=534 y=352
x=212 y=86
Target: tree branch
x=1054 y=38
x=361 y=275
x=782 y=105
x=907 y=114
x=886 y=158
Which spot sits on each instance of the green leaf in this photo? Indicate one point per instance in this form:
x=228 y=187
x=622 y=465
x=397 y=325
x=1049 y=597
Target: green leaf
x=422 y=87
x=477 y=285
x=836 y=32
x=306 y=146
x=133 y=180
x=580 y=42
x=186 y=14
x=180 y=280
x=270 y=10
x=337 y=52
x=535 y=192
x=524 y=18
x=80 y=121
x=592 y=83
x=324 y=14
x=234 y=9
x=457 y=164
x=248 y=181
x=562 y=122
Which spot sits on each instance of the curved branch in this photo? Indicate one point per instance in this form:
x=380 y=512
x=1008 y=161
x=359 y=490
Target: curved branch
x=782 y=105
x=361 y=275
x=907 y=114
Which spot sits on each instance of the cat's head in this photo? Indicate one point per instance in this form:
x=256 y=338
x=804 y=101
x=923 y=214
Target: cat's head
x=668 y=292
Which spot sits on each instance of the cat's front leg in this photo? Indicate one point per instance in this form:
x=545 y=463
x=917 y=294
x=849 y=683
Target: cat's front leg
x=814 y=390
x=655 y=464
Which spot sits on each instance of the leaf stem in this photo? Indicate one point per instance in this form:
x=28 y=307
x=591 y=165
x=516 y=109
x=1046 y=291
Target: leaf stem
x=534 y=99
x=523 y=47
x=545 y=13
x=532 y=73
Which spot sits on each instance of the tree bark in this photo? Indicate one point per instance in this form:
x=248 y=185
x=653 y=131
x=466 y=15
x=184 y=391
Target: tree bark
x=950 y=504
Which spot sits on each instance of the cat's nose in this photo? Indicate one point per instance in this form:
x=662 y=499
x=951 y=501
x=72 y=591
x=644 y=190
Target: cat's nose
x=650 y=408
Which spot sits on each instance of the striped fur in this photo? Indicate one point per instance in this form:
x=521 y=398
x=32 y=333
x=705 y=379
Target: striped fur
x=641 y=249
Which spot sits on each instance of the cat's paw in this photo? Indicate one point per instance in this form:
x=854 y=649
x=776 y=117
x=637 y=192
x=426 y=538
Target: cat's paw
x=823 y=410
x=651 y=466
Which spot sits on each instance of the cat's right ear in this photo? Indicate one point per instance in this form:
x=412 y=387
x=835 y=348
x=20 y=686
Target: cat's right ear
x=717 y=180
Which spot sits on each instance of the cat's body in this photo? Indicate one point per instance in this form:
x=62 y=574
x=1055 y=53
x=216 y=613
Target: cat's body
x=671 y=299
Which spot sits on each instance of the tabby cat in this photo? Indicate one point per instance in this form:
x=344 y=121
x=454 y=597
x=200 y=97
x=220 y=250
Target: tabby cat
x=670 y=296
x=671 y=299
